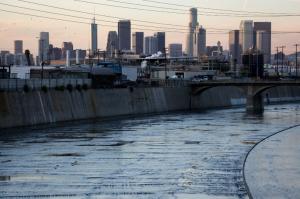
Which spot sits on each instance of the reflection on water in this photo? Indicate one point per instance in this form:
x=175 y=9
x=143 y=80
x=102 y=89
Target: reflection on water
x=182 y=155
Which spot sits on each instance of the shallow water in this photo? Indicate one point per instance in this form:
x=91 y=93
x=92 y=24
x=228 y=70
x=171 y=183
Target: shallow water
x=180 y=155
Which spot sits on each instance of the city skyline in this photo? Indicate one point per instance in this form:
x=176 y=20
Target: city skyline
x=26 y=28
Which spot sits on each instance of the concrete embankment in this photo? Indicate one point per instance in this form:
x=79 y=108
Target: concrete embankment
x=38 y=107
x=272 y=167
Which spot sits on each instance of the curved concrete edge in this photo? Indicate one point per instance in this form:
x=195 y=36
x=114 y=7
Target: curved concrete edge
x=258 y=143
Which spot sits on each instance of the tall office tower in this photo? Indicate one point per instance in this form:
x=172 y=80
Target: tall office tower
x=201 y=42
x=44 y=47
x=18 y=47
x=94 y=36
x=67 y=46
x=161 y=41
x=234 y=46
x=265 y=45
x=246 y=35
x=124 y=34
x=56 y=54
x=175 y=50
x=2 y=56
x=192 y=29
x=138 y=42
x=150 y=45
x=146 y=45
x=112 y=43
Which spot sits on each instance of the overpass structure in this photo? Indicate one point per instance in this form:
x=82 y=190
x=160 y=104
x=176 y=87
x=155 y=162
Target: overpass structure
x=252 y=88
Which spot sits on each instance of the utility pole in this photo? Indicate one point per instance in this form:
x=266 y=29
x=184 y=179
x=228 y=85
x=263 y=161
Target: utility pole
x=297 y=60
x=282 y=59
x=42 y=57
x=277 y=63
x=165 y=54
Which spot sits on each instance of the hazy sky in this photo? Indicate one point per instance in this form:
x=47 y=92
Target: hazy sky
x=27 y=28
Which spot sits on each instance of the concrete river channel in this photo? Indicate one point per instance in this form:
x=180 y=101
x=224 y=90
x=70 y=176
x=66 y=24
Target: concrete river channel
x=177 y=155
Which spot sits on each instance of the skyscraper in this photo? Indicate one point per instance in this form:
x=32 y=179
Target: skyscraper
x=263 y=30
x=192 y=29
x=150 y=46
x=138 y=42
x=67 y=46
x=124 y=34
x=112 y=43
x=18 y=47
x=234 y=46
x=44 y=47
x=175 y=50
x=94 y=36
x=263 y=45
x=200 y=49
x=161 y=41
x=246 y=35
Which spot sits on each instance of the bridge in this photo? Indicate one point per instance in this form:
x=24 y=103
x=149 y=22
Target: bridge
x=253 y=90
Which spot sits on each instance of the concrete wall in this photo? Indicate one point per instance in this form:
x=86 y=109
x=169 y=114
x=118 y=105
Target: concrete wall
x=233 y=96
x=38 y=107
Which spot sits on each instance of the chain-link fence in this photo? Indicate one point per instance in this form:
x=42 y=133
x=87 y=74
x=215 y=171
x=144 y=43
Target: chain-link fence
x=37 y=84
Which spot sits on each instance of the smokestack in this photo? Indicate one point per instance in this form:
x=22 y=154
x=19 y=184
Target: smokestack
x=67 y=58
x=77 y=57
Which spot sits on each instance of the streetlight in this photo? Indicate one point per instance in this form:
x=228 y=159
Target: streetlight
x=297 y=59
x=41 y=43
x=165 y=55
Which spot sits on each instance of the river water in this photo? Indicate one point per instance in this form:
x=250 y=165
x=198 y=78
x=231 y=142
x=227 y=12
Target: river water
x=178 y=155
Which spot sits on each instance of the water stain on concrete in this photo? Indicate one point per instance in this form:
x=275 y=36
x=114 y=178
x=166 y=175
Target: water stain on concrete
x=65 y=155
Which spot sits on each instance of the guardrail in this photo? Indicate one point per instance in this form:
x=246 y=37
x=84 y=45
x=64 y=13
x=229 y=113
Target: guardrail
x=37 y=84
x=172 y=83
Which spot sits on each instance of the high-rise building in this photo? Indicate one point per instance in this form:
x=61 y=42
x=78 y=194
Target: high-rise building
x=150 y=46
x=246 y=35
x=56 y=53
x=190 y=44
x=200 y=37
x=124 y=34
x=138 y=42
x=234 y=46
x=94 y=36
x=112 y=43
x=263 y=45
x=18 y=47
x=263 y=39
x=44 y=47
x=175 y=50
x=161 y=41
x=2 y=56
x=67 y=46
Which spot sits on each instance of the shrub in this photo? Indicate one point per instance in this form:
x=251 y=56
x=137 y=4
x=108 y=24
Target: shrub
x=45 y=89
x=78 y=87
x=26 y=88
x=85 y=87
x=60 y=88
x=70 y=87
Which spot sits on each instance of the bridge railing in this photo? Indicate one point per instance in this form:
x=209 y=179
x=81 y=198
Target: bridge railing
x=37 y=84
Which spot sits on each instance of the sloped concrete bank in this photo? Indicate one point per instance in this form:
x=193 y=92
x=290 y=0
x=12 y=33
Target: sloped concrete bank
x=38 y=107
x=271 y=168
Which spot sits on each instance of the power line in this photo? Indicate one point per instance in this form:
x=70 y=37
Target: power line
x=67 y=15
x=81 y=22
x=184 y=13
x=185 y=10
x=216 y=9
x=207 y=12
x=108 y=16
